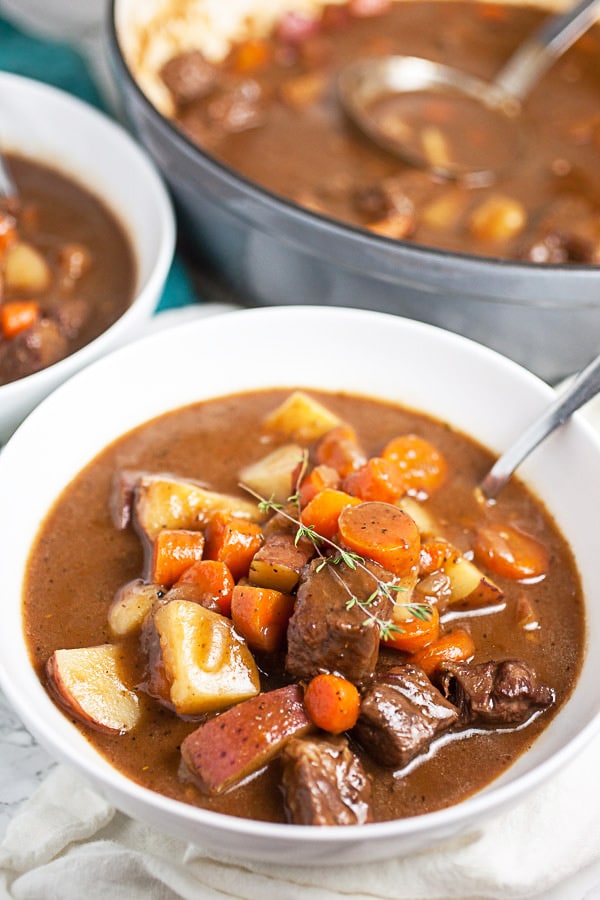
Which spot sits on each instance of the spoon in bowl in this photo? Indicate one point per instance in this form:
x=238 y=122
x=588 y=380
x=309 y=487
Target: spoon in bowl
x=584 y=386
x=9 y=195
x=404 y=103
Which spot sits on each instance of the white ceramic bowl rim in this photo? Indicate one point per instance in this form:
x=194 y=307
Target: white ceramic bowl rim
x=474 y=371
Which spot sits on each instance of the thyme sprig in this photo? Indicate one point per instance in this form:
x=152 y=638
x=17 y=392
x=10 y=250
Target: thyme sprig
x=387 y=627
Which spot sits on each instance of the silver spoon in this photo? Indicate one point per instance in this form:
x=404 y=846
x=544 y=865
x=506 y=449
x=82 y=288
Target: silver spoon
x=584 y=386
x=9 y=194
x=365 y=82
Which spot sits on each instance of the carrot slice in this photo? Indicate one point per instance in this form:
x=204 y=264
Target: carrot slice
x=8 y=231
x=214 y=583
x=451 y=647
x=339 y=448
x=381 y=532
x=378 y=479
x=252 y=54
x=233 y=541
x=261 y=616
x=17 y=315
x=316 y=480
x=433 y=555
x=173 y=551
x=415 y=633
x=508 y=551
x=332 y=702
x=323 y=511
x=422 y=466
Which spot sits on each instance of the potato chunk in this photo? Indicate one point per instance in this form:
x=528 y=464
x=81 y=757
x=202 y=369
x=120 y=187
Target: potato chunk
x=130 y=606
x=88 y=682
x=207 y=664
x=301 y=418
x=469 y=587
x=25 y=269
x=161 y=501
x=272 y=476
x=238 y=742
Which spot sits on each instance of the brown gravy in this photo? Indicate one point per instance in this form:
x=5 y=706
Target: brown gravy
x=80 y=560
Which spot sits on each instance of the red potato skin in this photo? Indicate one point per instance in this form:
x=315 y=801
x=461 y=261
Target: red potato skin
x=240 y=740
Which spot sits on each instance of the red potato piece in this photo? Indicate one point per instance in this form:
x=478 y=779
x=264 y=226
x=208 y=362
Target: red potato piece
x=87 y=682
x=241 y=740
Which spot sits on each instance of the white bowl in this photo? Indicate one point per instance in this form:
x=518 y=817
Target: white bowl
x=449 y=377
x=57 y=129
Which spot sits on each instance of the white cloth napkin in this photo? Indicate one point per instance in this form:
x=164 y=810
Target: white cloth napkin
x=67 y=843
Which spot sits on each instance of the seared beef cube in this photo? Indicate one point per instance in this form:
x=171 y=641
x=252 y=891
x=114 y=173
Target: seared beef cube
x=324 y=635
x=188 y=77
x=400 y=715
x=325 y=783
x=494 y=693
x=34 y=348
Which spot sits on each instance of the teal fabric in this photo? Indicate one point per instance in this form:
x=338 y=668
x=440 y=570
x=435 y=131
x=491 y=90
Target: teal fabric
x=62 y=66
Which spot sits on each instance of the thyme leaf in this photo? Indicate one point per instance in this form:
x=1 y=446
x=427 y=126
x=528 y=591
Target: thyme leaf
x=352 y=560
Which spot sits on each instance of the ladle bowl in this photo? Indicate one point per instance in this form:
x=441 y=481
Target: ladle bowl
x=390 y=99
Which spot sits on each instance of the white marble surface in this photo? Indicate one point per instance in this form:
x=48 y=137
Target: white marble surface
x=23 y=764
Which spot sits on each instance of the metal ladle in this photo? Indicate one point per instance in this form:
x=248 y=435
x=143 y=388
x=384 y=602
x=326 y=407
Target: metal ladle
x=584 y=386
x=365 y=82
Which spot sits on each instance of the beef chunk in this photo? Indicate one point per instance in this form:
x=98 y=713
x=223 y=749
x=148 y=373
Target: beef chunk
x=188 y=77
x=400 y=714
x=32 y=349
x=325 y=783
x=494 y=693
x=323 y=634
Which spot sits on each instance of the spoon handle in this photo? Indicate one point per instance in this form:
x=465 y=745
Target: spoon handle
x=538 y=53
x=584 y=386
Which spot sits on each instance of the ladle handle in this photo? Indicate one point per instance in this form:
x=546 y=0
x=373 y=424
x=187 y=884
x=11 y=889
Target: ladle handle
x=537 y=54
x=584 y=386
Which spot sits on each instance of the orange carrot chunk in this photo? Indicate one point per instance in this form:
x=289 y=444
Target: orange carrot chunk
x=508 y=551
x=422 y=466
x=452 y=647
x=433 y=555
x=173 y=551
x=323 y=511
x=378 y=479
x=414 y=633
x=233 y=541
x=339 y=448
x=251 y=55
x=381 y=532
x=214 y=583
x=316 y=480
x=261 y=616
x=332 y=703
x=17 y=315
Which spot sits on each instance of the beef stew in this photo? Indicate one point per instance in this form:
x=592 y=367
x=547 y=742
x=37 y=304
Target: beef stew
x=270 y=112
x=240 y=693
x=68 y=270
